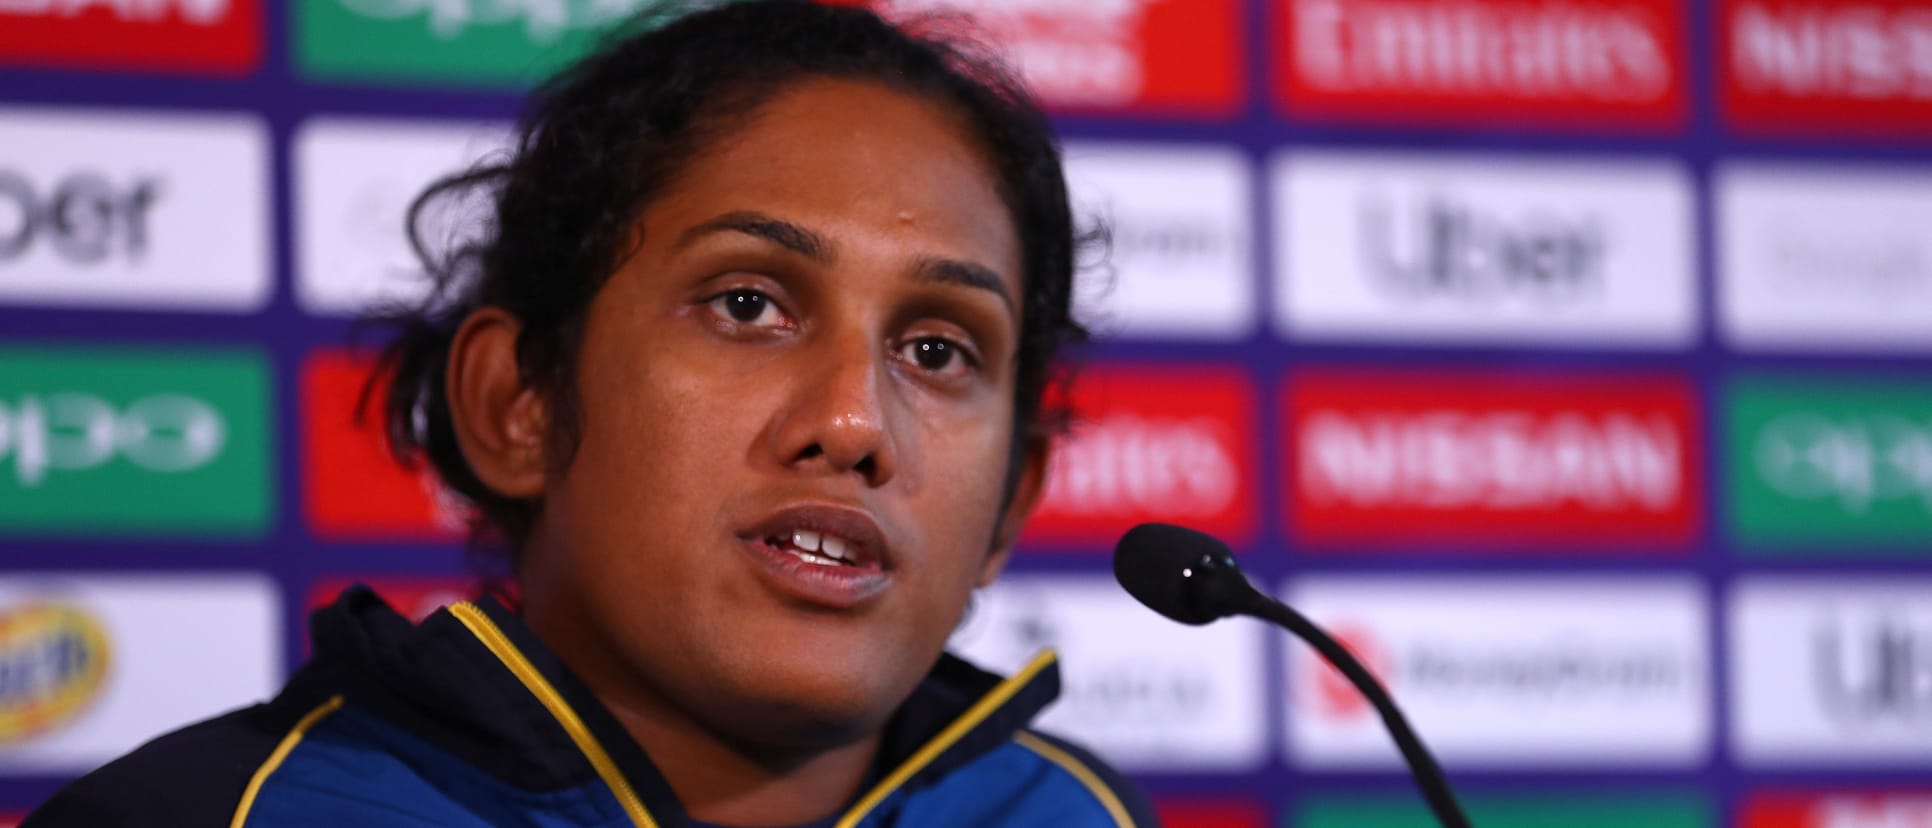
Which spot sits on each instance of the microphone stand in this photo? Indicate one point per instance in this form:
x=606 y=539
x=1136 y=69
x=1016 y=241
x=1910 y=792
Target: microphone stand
x=1428 y=775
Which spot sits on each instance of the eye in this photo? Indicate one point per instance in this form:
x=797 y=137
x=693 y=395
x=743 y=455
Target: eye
x=938 y=355
x=748 y=307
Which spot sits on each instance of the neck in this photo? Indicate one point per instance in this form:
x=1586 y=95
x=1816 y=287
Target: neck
x=727 y=785
x=717 y=778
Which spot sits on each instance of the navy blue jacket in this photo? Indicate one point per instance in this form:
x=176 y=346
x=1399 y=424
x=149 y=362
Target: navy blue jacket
x=467 y=720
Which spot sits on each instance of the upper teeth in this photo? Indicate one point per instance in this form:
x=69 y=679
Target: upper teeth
x=833 y=547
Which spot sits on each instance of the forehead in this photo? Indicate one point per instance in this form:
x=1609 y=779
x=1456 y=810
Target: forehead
x=852 y=159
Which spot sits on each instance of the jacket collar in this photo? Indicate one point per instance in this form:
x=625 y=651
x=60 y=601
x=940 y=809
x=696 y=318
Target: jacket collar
x=474 y=680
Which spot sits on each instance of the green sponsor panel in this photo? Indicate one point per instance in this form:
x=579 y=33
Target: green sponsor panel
x=172 y=441
x=490 y=43
x=1596 y=809
x=1830 y=463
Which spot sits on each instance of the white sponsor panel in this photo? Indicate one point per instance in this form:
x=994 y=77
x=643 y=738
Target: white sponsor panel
x=1830 y=258
x=131 y=658
x=1181 y=264
x=354 y=182
x=1507 y=672
x=1834 y=671
x=1144 y=692
x=134 y=210
x=1484 y=249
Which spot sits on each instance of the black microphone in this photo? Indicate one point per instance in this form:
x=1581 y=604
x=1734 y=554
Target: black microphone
x=1192 y=578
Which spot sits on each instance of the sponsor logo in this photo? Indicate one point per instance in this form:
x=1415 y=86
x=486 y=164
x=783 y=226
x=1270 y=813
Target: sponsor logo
x=1146 y=693
x=1874 y=671
x=487 y=42
x=218 y=37
x=354 y=182
x=542 y=22
x=1837 y=810
x=136 y=212
x=1181 y=56
x=1839 y=67
x=1209 y=813
x=1832 y=672
x=102 y=440
x=1508 y=672
x=354 y=488
x=164 y=433
x=1595 y=62
x=182 y=648
x=1405 y=248
x=84 y=218
x=1650 y=808
x=1824 y=257
x=1830 y=462
x=1181 y=262
x=52 y=661
x=1455 y=250
x=1148 y=443
x=1455 y=457
x=1333 y=694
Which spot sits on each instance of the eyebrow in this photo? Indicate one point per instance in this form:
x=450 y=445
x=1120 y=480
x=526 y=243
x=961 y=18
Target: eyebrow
x=805 y=242
x=967 y=274
x=778 y=231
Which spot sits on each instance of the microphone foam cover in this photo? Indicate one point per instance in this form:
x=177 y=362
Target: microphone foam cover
x=1151 y=560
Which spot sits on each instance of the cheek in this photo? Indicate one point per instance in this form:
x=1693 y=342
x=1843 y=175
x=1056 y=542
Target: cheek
x=654 y=445
x=959 y=500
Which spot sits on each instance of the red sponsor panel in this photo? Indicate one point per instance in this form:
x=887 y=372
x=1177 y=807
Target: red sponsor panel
x=1209 y=813
x=353 y=488
x=1826 y=66
x=1170 y=444
x=1576 y=63
x=221 y=37
x=1868 y=809
x=1156 y=56
x=415 y=597
x=1448 y=459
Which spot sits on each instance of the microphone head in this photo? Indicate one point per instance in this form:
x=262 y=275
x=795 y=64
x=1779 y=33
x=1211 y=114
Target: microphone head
x=1186 y=575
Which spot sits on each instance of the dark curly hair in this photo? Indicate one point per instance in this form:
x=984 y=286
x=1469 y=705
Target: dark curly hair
x=598 y=141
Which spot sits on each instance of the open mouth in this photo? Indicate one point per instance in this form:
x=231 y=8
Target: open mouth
x=816 y=548
x=822 y=554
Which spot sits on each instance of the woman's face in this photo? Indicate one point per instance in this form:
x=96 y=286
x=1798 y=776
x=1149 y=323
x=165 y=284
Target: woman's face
x=796 y=412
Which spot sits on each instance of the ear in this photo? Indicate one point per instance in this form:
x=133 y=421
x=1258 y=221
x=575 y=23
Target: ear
x=1034 y=459
x=500 y=423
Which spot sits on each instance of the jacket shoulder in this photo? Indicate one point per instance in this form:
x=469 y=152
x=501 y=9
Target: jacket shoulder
x=1031 y=781
x=193 y=776
x=1123 y=801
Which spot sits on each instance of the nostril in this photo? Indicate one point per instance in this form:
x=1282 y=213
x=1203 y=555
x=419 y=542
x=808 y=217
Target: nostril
x=811 y=451
x=867 y=466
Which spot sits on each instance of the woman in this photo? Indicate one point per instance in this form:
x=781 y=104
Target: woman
x=749 y=373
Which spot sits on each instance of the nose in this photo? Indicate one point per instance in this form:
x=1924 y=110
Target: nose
x=836 y=417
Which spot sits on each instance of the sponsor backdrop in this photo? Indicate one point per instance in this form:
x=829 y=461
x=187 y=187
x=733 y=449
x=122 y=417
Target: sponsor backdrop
x=1571 y=360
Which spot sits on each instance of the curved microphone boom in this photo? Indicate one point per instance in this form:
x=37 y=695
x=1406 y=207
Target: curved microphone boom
x=1192 y=578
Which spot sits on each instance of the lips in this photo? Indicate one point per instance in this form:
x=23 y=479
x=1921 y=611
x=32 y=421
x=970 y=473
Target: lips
x=829 y=556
